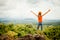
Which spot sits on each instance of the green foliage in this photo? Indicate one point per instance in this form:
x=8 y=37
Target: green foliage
x=17 y=30
x=2 y=28
x=53 y=32
x=23 y=30
x=11 y=33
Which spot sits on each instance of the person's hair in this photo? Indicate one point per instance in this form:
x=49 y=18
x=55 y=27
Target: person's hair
x=39 y=13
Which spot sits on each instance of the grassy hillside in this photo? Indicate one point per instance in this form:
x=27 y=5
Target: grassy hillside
x=49 y=32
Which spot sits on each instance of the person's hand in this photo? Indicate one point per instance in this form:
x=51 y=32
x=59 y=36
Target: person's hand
x=34 y=13
x=49 y=10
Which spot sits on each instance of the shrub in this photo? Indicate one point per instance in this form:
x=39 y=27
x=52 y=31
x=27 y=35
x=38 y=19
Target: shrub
x=53 y=32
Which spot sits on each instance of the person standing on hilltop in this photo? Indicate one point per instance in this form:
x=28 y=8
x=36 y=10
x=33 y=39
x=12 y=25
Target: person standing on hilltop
x=39 y=16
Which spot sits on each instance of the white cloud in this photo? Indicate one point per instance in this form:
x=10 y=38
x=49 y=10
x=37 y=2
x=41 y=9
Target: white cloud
x=21 y=9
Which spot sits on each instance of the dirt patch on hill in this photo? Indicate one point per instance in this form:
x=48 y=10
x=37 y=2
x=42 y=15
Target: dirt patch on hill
x=27 y=37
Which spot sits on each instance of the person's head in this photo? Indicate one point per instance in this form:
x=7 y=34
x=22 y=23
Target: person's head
x=39 y=13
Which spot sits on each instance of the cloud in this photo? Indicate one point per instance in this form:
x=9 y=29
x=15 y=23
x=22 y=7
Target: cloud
x=3 y=2
x=33 y=1
x=7 y=4
x=54 y=2
x=22 y=8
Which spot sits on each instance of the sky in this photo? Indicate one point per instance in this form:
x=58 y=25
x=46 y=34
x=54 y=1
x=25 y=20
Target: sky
x=22 y=8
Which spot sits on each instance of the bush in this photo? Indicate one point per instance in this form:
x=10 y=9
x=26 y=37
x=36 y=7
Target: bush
x=2 y=28
x=53 y=32
x=23 y=30
x=11 y=33
x=20 y=30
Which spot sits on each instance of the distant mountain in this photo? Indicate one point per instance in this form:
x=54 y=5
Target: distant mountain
x=54 y=22
x=27 y=20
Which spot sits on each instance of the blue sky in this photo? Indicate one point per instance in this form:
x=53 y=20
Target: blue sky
x=21 y=8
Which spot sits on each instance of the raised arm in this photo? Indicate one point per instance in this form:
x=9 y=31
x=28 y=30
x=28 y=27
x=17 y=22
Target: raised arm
x=34 y=13
x=46 y=12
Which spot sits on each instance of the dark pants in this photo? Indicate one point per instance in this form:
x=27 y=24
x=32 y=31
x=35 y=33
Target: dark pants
x=40 y=24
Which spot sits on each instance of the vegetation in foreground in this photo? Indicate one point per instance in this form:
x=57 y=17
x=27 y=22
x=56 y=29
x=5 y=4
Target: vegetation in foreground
x=28 y=31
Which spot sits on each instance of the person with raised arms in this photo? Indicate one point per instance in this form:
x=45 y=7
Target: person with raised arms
x=39 y=16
